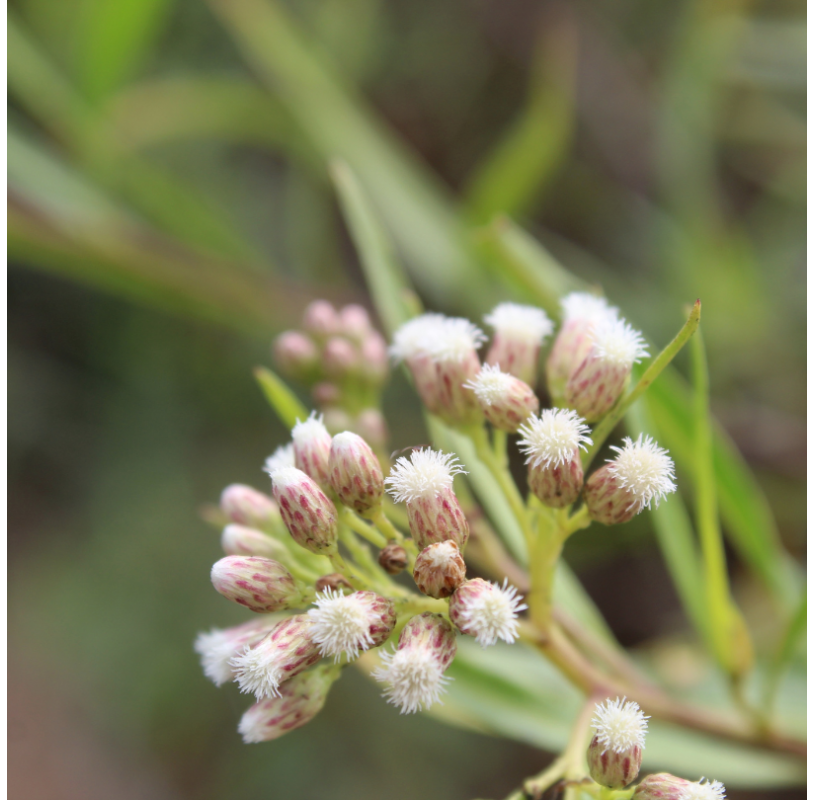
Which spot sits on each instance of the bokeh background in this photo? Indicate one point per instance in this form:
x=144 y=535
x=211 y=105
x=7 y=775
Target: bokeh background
x=170 y=210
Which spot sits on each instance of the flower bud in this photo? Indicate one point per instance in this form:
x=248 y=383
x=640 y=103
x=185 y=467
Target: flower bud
x=248 y=506
x=393 y=558
x=371 y=426
x=299 y=701
x=663 y=786
x=284 y=652
x=283 y=456
x=321 y=320
x=505 y=400
x=487 y=611
x=218 y=647
x=354 y=472
x=259 y=584
x=615 y=753
x=596 y=383
x=312 y=446
x=296 y=356
x=581 y=312
x=346 y=624
x=309 y=515
x=414 y=671
x=552 y=445
x=326 y=394
x=425 y=484
x=374 y=358
x=641 y=473
x=355 y=321
x=340 y=358
x=519 y=333
x=238 y=540
x=410 y=345
x=439 y=569
x=334 y=580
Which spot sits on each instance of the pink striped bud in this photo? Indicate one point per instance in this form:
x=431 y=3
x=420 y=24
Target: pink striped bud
x=425 y=484
x=581 y=312
x=346 y=624
x=355 y=473
x=238 y=540
x=248 y=506
x=615 y=753
x=296 y=356
x=321 y=319
x=284 y=652
x=414 y=671
x=309 y=515
x=299 y=701
x=340 y=358
x=641 y=473
x=439 y=569
x=505 y=400
x=487 y=611
x=259 y=584
x=355 y=322
x=519 y=333
x=218 y=647
x=334 y=580
x=312 y=446
x=552 y=445
x=410 y=344
x=663 y=786
x=594 y=386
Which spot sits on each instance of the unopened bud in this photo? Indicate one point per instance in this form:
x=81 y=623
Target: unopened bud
x=238 y=540
x=581 y=311
x=371 y=426
x=615 y=753
x=354 y=472
x=326 y=394
x=410 y=344
x=425 y=484
x=487 y=611
x=596 y=383
x=374 y=355
x=348 y=623
x=248 y=506
x=283 y=456
x=312 y=446
x=334 y=580
x=641 y=473
x=321 y=319
x=505 y=400
x=552 y=445
x=299 y=701
x=439 y=569
x=414 y=671
x=393 y=558
x=296 y=356
x=355 y=321
x=340 y=358
x=219 y=646
x=519 y=333
x=284 y=652
x=259 y=584
x=309 y=515
x=663 y=786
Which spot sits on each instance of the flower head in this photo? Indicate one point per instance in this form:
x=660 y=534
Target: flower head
x=709 y=790
x=354 y=472
x=312 y=446
x=520 y=322
x=248 y=506
x=645 y=470
x=615 y=342
x=346 y=624
x=412 y=338
x=664 y=786
x=552 y=438
x=454 y=339
x=585 y=306
x=424 y=475
x=487 y=611
x=219 y=646
x=309 y=515
x=619 y=725
x=282 y=457
x=439 y=569
x=260 y=584
x=491 y=385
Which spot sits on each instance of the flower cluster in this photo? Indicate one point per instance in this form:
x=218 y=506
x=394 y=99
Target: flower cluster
x=300 y=557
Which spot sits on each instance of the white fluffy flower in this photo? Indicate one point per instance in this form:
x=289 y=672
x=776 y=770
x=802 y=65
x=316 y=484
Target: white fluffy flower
x=282 y=457
x=219 y=646
x=582 y=305
x=709 y=790
x=425 y=474
x=614 y=341
x=414 y=676
x=341 y=624
x=525 y=323
x=491 y=385
x=310 y=429
x=645 y=470
x=620 y=725
x=411 y=338
x=487 y=611
x=552 y=438
x=454 y=339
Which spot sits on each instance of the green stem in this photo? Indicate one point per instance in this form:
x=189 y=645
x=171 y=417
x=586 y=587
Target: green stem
x=356 y=580
x=499 y=447
x=606 y=425
x=384 y=525
x=362 y=528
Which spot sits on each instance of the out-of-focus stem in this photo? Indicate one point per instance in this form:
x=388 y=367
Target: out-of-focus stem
x=362 y=528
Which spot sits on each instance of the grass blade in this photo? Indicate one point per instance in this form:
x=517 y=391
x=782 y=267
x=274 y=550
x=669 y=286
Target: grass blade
x=283 y=400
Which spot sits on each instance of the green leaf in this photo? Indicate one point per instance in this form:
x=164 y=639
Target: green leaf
x=796 y=627
x=283 y=400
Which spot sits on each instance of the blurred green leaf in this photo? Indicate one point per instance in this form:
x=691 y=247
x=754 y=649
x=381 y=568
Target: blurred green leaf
x=283 y=400
x=795 y=630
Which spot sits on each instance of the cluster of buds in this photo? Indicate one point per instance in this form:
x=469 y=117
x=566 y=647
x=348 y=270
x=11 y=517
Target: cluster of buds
x=343 y=359
x=614 y=757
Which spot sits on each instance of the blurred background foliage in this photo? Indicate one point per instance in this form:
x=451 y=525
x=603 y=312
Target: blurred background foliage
x=170 y=209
